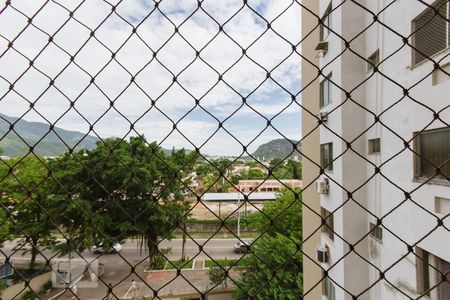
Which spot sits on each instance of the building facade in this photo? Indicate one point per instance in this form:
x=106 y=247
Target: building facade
x=269 y=185
x=385 y=148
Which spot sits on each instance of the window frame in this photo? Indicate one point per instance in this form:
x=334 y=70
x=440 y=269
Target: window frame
x=329 y=166
x=326 y=19
x=417 y=159
x=328 y=288
x=414 y=53
x=375 y=55
x=328 y=228
x=374 y=146
x=376 y=232
x=329 y=90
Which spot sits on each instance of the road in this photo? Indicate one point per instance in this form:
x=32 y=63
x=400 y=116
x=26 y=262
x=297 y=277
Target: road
x=215 y=248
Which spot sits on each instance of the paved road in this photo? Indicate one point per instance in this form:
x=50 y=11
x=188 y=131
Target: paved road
x=119 y=269
x=215 y=248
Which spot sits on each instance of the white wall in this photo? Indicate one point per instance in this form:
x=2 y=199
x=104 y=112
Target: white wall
x=381 y=197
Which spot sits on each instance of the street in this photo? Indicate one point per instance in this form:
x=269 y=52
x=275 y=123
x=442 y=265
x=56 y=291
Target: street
x=215 y=248
x=120 y=268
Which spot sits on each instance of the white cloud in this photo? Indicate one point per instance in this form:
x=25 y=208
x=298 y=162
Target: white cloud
x=154 y=76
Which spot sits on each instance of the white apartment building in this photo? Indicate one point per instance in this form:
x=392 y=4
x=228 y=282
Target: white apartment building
x=405 y=95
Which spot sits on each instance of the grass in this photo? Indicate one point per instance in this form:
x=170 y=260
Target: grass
x=219 y=262
x=178 y=264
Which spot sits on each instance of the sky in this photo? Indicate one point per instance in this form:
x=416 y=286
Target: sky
x=154 y=102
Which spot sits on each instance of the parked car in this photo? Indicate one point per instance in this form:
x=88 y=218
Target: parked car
x=241 y=247
x=117 y=247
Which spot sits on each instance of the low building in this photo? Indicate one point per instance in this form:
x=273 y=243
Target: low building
x=248 y=186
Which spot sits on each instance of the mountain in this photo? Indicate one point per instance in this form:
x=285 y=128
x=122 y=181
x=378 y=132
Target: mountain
x=32 y=132
x=280 y=148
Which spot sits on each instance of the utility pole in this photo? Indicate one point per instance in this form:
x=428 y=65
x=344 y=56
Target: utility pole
x=239 y=212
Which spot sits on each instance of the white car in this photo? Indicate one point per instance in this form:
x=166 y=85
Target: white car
x=241 y=247
x=117 y=247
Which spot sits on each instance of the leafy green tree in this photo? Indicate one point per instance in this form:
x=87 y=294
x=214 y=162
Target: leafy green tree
x=255 y=174
x=283 y=216
x=203 y=169
x=4 y=220
x=286 y=170
x=123 y=189
x=274 y=270
x=218 y=276
x=296 y=168
x=274 y=264
x=26 y=192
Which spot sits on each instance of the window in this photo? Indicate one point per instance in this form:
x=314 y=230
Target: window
x=428 y=275
x=374 y=146
x=433 y=148
x=431 y=32
x=328 y=227
x=376 y=232
x=328 y=289
x=326 y=24
x=422 y=272
x=373 y=60
x=326 y=156
x=439 y=76
x=325 y=91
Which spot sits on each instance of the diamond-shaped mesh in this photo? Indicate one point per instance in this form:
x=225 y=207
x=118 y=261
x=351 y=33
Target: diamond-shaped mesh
x=139 y=80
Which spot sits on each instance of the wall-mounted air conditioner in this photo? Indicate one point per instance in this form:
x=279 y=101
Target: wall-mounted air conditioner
x=322 y=49
x=323 y=116
x=322 y=253
x=322 y=186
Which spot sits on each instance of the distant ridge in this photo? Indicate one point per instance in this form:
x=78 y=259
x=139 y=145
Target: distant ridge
x=32 y=132
x=279 y=148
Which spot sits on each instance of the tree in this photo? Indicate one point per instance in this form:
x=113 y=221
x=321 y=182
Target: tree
x=289 y=170
x=123 y=189
x=255 y=174
x=283 y=216
x=218 y=276
x=5 y=226
x=273 y=270
x=274 y=264
x=4 y=220
x=26 y=192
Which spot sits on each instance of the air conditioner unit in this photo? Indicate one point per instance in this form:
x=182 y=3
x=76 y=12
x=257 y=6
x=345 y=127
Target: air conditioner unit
x=322 y=253
x=322 y=186
x=322 y=49
x=323 y=116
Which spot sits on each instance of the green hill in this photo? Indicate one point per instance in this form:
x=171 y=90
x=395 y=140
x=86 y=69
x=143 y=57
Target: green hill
x=280 y=148
x=15 y=143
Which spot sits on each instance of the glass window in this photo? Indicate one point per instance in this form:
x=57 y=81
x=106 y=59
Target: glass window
x=430 y=31
x=326 y=156
x=374 y=146
x=328 y=289
x=326 y=23
x=328 y=228
x=376 y=232
x=373 y=60
x=433 y=149
x=325 y=91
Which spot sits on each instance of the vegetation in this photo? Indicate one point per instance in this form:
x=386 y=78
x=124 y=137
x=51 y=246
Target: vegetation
x=115 y=191
x=219 y=262
x=217 y=275
x=289 y=169
x=25 y=193
x=274 y=265
x=179 y=264
x=134 y=191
